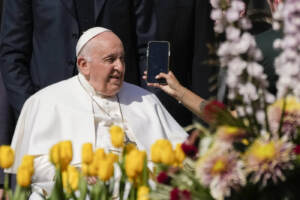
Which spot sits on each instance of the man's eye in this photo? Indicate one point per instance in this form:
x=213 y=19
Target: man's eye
x=110 y=60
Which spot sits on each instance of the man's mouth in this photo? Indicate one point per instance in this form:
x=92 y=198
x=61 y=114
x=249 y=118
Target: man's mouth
x=115 y=77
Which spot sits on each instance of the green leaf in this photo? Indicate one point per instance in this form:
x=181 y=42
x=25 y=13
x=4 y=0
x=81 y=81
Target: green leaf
x=132 y=194
x=17 y=193
x=83 y=189
x=96 y=190
x=145 y=173
x=58 y=191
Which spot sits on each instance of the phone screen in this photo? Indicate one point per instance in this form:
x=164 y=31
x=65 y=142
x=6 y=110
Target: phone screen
x=158 y=60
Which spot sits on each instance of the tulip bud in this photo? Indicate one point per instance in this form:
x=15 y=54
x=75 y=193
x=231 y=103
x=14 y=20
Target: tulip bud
x=155 y=153
x=28 y=163
x=117 y=136
x=93 y=169
x=99 y=154
x=143 y=193
x=134 y=163
x=73 y=177
x=66 y=154
x=6 y=156
x=179 y=154
x=23 y=177
x=106 y=169
x=113 y=157
x=54 y=155
x=162 y=152
x=70 y=179
x=87 y=153
x=85 y=169
x=167 y=156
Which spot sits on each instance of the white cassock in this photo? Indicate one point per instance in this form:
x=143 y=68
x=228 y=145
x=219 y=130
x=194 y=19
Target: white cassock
x=72 y=110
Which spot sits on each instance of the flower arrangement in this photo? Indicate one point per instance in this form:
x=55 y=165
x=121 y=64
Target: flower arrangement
x=250 y=151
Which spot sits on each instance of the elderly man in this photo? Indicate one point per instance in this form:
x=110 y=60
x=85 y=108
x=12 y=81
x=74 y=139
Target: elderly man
x=82 y=108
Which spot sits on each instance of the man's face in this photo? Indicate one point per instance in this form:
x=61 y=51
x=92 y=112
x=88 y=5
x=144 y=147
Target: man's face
x=105 y=71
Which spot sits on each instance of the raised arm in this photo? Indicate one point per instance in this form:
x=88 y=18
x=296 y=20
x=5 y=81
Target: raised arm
x=16 y=51
x=185 y=96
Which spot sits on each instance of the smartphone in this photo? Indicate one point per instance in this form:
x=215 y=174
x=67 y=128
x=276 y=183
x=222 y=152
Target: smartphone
x=158 y=54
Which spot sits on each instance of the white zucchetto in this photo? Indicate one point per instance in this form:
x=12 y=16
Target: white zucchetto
x=87 y=36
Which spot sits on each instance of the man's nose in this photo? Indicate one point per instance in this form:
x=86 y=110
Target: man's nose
x=119 y=64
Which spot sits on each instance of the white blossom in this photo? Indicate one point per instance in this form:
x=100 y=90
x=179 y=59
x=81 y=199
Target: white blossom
x=215 y=3
x=216 y=14
x=260 y=116
x=254 y=69
x=232 y=33
x=232 y=15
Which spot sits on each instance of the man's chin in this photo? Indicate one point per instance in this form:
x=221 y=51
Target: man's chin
x=114 y=89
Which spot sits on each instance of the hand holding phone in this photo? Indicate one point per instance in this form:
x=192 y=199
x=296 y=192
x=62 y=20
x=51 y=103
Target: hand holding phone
x=158 y=53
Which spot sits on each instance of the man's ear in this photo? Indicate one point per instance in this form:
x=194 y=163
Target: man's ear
x=83 y=66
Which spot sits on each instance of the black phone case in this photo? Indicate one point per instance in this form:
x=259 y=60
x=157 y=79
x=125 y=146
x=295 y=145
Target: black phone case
x=158 y=53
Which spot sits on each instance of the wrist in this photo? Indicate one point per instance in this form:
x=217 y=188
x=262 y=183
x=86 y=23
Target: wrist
x=180 y=94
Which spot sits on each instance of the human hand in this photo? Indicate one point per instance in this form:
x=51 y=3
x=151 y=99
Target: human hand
x=91 y=180
x=173 y=87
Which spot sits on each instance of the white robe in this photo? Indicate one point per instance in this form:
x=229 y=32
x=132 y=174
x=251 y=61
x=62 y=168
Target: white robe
x=64 y=111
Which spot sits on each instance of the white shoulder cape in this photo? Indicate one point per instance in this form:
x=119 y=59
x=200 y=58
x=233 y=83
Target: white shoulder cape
x=63 y=111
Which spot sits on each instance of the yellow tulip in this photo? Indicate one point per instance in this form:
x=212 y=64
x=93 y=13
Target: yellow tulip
x=155 y=153
x=106 y=169
x=113 y=157
x=99 y=154
x=134 y=163
x=61 y=154
x=93 y=168
x=85 y=169
x=130 y=170
x=130 y=147
x=117 y=136
x=87 y=153
x=70 y=179
x=162 y=152
x=167 y=156
x=7 y=156
x=143 y=193
x=73 y=177
x=54 y=155
x=23 y=177
x=28 y=163
x=66 y=154
x=164 y=143
x=179 y=154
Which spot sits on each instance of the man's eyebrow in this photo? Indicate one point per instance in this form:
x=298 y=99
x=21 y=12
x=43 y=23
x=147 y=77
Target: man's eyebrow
x=113 y=55
x=109 y=55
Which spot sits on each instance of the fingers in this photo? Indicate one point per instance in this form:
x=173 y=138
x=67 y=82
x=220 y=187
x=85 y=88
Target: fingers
x=157 y=85
x=162 y=75
x=91 y=180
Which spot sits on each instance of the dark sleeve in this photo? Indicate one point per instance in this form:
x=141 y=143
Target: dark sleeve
x=16 y=50
x=145 y=26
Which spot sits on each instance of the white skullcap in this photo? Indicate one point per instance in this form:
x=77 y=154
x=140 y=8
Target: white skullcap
x=87 y=36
